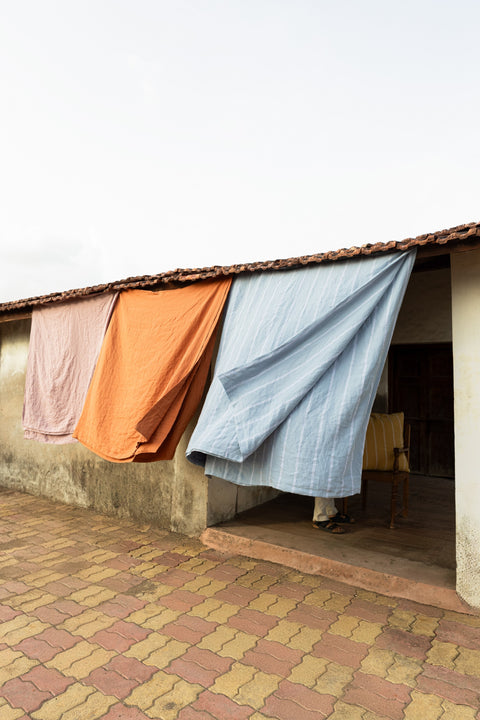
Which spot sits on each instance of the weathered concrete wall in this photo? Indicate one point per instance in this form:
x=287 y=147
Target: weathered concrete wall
x=171 y=495
x=465 y=269
x=426 y=312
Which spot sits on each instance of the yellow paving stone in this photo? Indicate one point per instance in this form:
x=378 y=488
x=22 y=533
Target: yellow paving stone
x=144 y=695
x=231 y=682
x=377 y=662
x=96 y=574
x=146 y=553
x=189 y=549
x=140 y=616
x=305 y=639
x=337 y=603
x=18 y=666
x=21 y=627
x=243 y=563
x=344 y=626
x=169 y=705
x=50 y=559
x=148 y=569
x=366 y=632
x=162 y=655
x=470 y=620
x=401 y=619
x=442 y=653
x=216 y=640
x=25 y=597
x=144 y=648
x=308 y=671
x=34 y=603
x=257 y=581
x=459 y=712
x=6 y=561
x=345 y=711
x=237 y=647
x=213 y=587
x=283 y=632
x=255 y=692
x=99 y=556
x=8 y=655
x=93 y=708
x=156 y=592
x=79 y=660
x=317 y=597
x=197 y=584
x=334 y=679
x=219 y=614
x=262 y=602
x=281 y=607
x=424 y=707
x=370 y=596
x=58 y=544
x=404 y=671
x=88 y=623
x=157 y=622
x=261 y=716
x=92 y=595
x=425 y=625
x=468 y=661
x=7 y=712
x=42 y=577
x=57 y=707
x=198 y=566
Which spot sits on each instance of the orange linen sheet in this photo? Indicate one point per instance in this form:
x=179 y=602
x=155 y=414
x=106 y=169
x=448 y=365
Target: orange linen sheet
x=151 y=371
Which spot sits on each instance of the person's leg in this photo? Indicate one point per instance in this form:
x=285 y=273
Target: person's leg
x=323 y=512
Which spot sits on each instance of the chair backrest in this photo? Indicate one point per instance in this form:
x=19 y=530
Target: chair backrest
x=384 y=433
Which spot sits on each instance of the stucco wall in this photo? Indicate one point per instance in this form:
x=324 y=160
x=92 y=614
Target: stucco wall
x=426 y=312
x=171 y=495
x=466 y=368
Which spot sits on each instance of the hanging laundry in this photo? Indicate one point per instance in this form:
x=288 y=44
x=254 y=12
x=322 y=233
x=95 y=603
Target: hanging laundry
x=151 y=371
x=298 y=366
x=65 y=341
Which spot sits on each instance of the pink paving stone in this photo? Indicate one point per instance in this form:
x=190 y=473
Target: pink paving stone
x=112 y=641
x=58 y=638
x=171 y=559
x=37 y=649
x=14 y=588
x=457 y=695
x=124 y=562
x=192 y=673
x=121 y=606
x=404 y=643
x=368 y=611
x=220 y=706
x=340 y=650
x=415 y=608
x=188 y=713
x=68 y=607
x=189 y=629
x=225 y=572
x=469 y=682
x=285 y=709
x=378 y=695
x=289 y=590
x=458 y=634
x=312 y=617
x=175 y=577
x=307 y=699
x=23 y=694
x=123 y=582
x=208 y=659
x=252 y=622
x=273 y=657
x=182 y=600
x=8 y=613
x=130 y=630
x=131 y=668
x=110 y=683
x=120 y=712
x=49 y=614
x=48 y=679
x=237 y=595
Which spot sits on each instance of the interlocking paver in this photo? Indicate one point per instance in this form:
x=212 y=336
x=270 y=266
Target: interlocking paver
x=104 y=620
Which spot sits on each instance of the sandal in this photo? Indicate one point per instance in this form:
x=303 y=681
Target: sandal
x=328 y=526
x=343 y=519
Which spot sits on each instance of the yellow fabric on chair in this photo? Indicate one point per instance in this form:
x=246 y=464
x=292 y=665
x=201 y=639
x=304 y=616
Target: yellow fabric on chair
x=384 y=432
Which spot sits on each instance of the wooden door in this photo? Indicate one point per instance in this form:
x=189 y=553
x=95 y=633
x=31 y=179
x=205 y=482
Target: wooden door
x=421 y=385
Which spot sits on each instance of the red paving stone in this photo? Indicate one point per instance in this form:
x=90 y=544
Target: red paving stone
x=192 y=672
x=237 y=595
x=253 y=622
x=220 y=706
x=23 y=694
x=110 y=683
x=131 y=668
x=48 y=679
x=182 y=600
x=122 y=712
x=313 y=617
x=36 y=649
x=189 y=629
x=273 y=657
x=378 y=695
x=404 y=643
x=458 y=634
x=340 y=650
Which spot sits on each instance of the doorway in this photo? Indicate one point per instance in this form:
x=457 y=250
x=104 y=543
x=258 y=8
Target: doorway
x=421 y=385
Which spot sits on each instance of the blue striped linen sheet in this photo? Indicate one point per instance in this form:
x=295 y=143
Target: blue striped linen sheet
x=299 y=361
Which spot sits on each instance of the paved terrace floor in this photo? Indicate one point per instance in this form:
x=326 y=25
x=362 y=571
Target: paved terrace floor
x=102 y=618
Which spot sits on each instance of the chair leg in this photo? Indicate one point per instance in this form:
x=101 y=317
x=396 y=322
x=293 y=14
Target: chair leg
x=405 y=497
x=344 y=506
x=364 y=494
x=393 y=504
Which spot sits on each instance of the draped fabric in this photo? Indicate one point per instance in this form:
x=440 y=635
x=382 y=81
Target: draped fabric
x=298 y=366
x=65 y=340
x=151 y=371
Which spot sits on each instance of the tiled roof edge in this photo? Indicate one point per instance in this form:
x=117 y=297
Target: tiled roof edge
x=452 y=236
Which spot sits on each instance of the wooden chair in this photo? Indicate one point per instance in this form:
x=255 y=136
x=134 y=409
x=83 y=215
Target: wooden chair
x=398 y=457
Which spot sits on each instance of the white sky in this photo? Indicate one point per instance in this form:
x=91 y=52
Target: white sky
x=139 y=136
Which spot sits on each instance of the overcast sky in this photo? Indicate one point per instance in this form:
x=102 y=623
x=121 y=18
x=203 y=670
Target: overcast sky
x=139 y=136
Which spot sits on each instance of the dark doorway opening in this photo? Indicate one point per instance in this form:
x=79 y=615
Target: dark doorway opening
x=421 y=385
